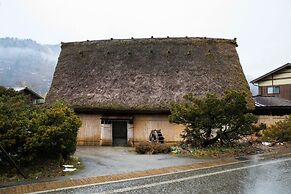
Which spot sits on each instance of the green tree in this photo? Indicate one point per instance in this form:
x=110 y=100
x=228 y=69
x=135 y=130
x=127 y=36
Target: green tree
x=14 y=121
x=28 y=132
x=211 y=119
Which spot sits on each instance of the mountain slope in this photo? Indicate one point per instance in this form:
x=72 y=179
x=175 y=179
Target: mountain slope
x=27 y=63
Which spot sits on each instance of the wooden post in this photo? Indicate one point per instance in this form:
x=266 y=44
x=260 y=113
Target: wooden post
x=13 y=162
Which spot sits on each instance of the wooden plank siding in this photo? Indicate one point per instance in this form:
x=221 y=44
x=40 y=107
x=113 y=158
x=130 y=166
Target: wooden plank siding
x=144 y=124
x=281 y=78
x=94 y=132
x=285 y=91
x=89 y=133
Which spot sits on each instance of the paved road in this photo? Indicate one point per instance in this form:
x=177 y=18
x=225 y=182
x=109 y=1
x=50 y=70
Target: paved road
x=251 y=177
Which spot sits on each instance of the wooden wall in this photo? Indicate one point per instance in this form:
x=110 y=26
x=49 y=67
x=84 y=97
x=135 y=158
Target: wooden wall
x=144 y=124
x=285 y=91
x=282 y=79
x=89 y=132
x=92 y=132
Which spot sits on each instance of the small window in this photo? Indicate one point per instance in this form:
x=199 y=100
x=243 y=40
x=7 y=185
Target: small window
x=273 y=90
x=38 y=101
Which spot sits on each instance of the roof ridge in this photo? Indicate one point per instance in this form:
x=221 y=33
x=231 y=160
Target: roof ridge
x=234 y=41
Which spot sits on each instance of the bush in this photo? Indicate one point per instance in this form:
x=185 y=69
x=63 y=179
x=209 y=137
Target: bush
x=212 y=119
x=55 y=132
x=144 y=148
x=28 y=132
x=152 y=148
x=161 y=148
x=279 y=132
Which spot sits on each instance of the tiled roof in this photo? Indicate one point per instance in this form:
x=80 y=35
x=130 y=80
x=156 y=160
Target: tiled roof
x=271 y=101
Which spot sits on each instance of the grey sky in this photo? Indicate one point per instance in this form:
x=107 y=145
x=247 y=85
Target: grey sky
x=262 y=27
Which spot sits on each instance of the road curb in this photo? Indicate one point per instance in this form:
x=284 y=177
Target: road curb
x=57 y=185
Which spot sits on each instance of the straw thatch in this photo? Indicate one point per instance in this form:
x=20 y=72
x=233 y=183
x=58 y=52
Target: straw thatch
x=144 y=74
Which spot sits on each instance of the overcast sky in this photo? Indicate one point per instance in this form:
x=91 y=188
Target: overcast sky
x=262 y=27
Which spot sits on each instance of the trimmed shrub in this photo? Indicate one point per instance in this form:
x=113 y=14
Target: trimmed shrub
x=152 y=148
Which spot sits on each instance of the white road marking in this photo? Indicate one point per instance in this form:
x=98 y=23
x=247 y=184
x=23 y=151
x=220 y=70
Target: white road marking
x=137 y=178
x=191 y=177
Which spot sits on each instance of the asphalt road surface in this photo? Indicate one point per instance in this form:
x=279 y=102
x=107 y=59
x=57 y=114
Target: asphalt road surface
x=250 y=177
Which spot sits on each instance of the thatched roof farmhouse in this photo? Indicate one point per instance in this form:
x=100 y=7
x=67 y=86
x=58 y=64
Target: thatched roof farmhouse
x=141 y=76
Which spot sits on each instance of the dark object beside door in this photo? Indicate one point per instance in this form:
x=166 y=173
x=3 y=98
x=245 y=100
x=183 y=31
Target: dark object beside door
x=119 y=133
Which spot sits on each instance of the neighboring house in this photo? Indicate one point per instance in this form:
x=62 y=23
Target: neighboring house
x=33 y=96
x=273 y=101
x=122 y=89
x=276 y=83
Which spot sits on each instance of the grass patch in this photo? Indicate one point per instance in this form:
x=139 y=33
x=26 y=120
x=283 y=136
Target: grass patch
x=39 y=169
x=218 y=151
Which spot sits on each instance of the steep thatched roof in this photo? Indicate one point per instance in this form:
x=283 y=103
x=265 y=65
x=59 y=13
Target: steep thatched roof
x=144 y=74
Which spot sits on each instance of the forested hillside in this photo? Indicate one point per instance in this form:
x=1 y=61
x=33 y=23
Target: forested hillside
x=27 y=63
